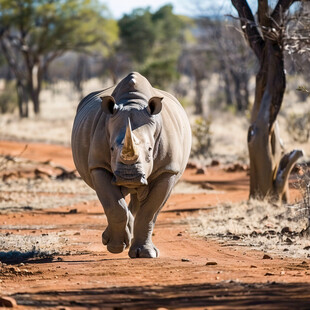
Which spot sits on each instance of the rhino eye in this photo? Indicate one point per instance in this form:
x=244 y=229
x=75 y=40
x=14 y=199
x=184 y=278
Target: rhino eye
x=112 y=148
x=150 y=149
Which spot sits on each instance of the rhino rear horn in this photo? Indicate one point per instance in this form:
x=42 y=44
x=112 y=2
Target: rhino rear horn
x=108 y=104
x=155 y=105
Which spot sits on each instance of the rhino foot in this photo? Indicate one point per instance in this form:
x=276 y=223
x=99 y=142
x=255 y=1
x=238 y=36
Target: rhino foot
x=117 y=240
x=143 y=251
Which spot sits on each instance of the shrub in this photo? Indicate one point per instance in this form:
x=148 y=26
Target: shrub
x=202 y=142
x=8 y=98
x=303 y=206
x=298 y=126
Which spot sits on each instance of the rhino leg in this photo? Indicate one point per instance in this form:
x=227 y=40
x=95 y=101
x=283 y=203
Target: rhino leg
x=142 y=245
x=134 y=204
x=117 y=235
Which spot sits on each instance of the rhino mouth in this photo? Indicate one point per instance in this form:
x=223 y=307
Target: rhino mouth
x=129 y=176
x=130 y=183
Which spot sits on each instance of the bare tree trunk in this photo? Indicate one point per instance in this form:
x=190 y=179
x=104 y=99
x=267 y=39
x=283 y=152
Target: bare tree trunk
x=35 y=101
x=227 y=89
x=34 y=86
x=269 y=167
x=113 y=76
x=22 y=98
x=246 y=94
x=198 y=92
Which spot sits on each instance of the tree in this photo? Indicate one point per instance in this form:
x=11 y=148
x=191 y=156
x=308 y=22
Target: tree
x=195 y=62
x=218 y=49
x=35 y=32
x=153 y=40
x=269 y=167
x=138 y=34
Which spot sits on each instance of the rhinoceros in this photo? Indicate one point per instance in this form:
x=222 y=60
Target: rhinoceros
x=131 y=139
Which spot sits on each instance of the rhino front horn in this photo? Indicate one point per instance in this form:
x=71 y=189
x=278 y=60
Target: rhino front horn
x=129 y=151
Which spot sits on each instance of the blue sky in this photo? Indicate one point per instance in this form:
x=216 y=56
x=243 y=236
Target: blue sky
x=186 y=7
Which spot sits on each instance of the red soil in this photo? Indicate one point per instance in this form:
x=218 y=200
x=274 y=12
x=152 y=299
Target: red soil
x=234 y=278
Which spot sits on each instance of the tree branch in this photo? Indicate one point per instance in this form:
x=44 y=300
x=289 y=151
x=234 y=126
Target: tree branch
x=281 y=7
x=249 y=27
x=263 y=18
x=285 y=167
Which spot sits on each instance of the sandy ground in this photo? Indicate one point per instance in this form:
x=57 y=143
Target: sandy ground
x=52 y=256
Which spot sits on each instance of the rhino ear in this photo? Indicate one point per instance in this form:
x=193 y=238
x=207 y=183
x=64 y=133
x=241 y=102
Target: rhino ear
x=108 y=104
x=155 y=105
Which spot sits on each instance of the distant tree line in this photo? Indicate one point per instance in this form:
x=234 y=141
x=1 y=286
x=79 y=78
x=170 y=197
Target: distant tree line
x=46 y=40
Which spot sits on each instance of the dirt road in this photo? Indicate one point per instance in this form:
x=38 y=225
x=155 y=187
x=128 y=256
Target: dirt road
x=191 y=273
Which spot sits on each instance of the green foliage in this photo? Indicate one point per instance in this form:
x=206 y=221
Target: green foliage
x=161 y=72
x=138 y=34
x=8 y=98
x=153 y=40
x=185 y=102
x=51 y=25
x=298 y=125
x=202 y=137
x=35 y=32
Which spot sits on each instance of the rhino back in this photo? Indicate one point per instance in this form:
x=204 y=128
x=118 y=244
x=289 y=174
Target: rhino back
x=175 y=139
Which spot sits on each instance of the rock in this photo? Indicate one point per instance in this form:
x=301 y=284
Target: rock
x=211 y=263
x=7 y=302
x=207 y=186
x=14 y=270
x=269 y=274
x=191 y=165
x=266 y=256
x=67 y=175
x=237 y=167
x=286 y=230
x=254 y=233
x=272 y=232
x=185 y=260
x=215 y=162
x=43 y=173
x=201 y=170
x=289 y=241
x=235 y=237
x=253 y=266
x=9 y=176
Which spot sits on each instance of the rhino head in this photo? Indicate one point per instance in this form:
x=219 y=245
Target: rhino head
x=132 y=130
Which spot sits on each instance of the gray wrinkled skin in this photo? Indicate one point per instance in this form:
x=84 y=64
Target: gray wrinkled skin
x=131 y=139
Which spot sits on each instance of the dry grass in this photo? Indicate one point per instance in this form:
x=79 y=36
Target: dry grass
x=262 y=226
x=43 y=194
x=47 y=244
x=228 y=131
x=58 y=107
x=25 y=190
